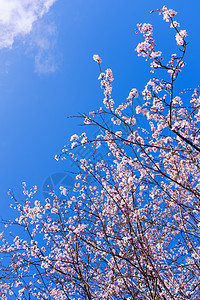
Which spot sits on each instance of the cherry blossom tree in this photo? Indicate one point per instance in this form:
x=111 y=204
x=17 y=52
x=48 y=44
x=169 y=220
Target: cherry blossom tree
x=130 y=227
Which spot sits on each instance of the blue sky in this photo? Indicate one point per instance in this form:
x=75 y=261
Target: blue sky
x=47 y=73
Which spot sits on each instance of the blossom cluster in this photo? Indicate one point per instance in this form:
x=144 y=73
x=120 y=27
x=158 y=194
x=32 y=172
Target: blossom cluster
x=147 y=48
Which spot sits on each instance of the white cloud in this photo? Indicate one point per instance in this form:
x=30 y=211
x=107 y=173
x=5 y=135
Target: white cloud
x=17 y=18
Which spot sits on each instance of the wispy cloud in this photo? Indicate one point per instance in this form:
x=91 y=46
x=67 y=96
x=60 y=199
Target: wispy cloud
x=17 y=18
x=43 y=44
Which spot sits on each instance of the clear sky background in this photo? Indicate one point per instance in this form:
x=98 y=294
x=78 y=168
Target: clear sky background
x=47 y=73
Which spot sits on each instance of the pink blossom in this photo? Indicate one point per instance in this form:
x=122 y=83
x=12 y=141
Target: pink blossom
x=64 y=191
x=118 y=133
x=74 y=137
x=109 y=74
x=133 y=94
x=97 y=58
x=156 y=54
x=87 y=120
x=180 y=37
x=167 y=13
x=73 y=145
x=174 y=24
x=130 y=180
